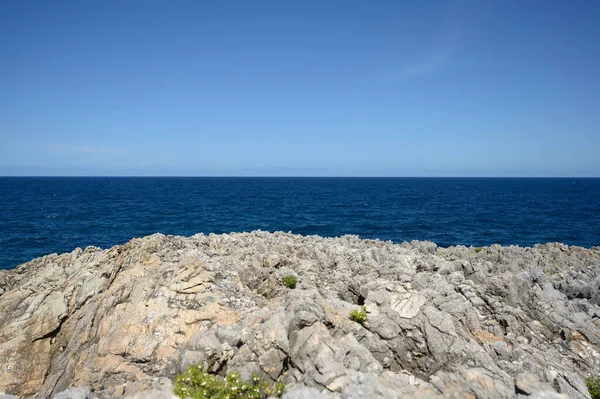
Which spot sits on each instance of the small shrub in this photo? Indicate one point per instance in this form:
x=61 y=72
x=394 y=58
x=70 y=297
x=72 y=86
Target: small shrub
x=549 y=272
x=593 y=386
x=196 y=383
x=478 y=250
x=359 y=316
x=290 y=281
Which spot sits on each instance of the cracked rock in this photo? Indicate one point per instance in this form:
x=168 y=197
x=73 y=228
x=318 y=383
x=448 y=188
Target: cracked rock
x=502 y=322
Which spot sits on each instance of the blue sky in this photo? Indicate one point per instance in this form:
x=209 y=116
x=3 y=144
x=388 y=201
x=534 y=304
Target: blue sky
x=337 y=88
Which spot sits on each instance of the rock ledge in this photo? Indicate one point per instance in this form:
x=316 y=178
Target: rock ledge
x=502 y=322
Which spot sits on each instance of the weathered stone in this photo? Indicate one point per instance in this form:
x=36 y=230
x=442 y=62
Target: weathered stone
x=303 y=393
x=527 y=384
x=406 y=304
x=504 y=322
x=271 y=260
x=272 y=362
x=74 y=393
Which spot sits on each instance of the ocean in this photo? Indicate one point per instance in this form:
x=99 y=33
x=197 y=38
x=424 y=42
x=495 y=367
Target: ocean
x=42 y=215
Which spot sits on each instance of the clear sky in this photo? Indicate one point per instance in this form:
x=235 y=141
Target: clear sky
x=338 y=88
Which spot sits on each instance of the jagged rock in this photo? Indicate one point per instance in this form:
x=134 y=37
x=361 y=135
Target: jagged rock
x=406 y=304
x=503 y=322
x=528 y=384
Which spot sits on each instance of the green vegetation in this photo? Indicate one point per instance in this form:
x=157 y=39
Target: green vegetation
x=478 y=249
x=359 y=316
x=549 y=272
x=593 y=386
x=196 y=383
x=290 y=281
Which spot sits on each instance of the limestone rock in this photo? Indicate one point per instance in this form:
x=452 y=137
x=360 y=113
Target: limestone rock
x=74 y=393
x=503 y=322
x=406 y=304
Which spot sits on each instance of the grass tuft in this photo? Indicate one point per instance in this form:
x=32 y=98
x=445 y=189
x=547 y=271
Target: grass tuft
x=359 y=316
x=593 y=386
x=196 y=383
x=290 y=281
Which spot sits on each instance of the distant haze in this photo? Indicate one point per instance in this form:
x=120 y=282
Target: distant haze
x=306 y=88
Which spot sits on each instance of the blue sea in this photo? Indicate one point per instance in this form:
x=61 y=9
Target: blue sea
x=46 y=215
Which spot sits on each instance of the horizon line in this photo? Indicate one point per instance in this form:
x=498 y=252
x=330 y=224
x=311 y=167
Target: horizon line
x=299 y=177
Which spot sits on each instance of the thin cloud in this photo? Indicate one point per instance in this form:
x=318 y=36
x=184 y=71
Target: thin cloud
x=447 y=39
x=433 y=63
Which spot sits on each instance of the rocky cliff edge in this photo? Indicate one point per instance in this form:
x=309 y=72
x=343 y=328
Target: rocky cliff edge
x=493 y=322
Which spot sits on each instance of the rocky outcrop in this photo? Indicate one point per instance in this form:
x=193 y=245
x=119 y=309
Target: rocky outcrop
x=500 y=322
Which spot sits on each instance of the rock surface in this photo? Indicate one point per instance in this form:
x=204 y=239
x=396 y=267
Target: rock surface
x=500 y=322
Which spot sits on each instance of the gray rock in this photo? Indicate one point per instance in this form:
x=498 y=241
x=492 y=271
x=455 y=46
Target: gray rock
x=303 y=393
x=154 y=393
x=74 y=393
x=503 y=322
x=284 y=272
x=548 y=395
x=406 y=304
x=528 y=384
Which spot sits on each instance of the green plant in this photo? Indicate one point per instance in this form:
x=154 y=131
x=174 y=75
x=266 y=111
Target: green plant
x=593 y=386
x=290 y=281
x=359 y=316
x=196 y=383
x=549 y=272
x=478 y=250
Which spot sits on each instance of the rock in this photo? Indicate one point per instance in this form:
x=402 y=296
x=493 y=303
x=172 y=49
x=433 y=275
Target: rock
x=165 y=392
x=303 y=393
x=527 y=384
x=74 y=393
x=503 y=322
x=406 y=304
x=548 y=395
x=284 y=272
x=272 y=362
x=271 y=260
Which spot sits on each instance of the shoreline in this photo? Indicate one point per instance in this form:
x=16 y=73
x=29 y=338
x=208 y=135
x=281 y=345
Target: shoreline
x=125 y=321
x=353 y=236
